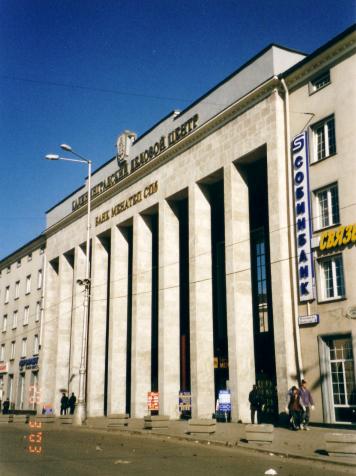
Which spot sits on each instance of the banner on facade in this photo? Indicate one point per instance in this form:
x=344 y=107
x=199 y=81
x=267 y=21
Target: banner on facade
x=224 y=401
x=302 y=217
x=152 y=401
x=185 y=401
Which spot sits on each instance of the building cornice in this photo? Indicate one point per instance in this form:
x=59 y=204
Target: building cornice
x=307 y=68
x=201 y=132
x=23 y=251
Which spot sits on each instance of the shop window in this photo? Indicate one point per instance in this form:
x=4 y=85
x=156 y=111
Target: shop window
x=327 y=209
x=7 y=294
x=331 y=277
x=342 y=377
x=38 y=311
x=4 y=323
x=28 y=284
x=14 y=319
x=17 y=289
x=26 y=315
x=39 y=279
x=13 y=350
x=324 y=140
x=35 y=345
x=319 y=82
x=24 y=347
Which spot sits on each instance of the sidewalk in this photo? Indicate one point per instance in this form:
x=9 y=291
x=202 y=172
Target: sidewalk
x=309 y=445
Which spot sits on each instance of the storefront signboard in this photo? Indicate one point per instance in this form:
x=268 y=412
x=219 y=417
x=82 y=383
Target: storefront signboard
x=185 y=401
x=153 y=401
x=31 y=363
x=4 y=367
x=300 y=159
x=224 y=401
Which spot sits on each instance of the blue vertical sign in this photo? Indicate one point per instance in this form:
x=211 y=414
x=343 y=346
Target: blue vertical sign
x=302 y=217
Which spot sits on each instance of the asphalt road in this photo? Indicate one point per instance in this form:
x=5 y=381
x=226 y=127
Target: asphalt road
x=82 y=452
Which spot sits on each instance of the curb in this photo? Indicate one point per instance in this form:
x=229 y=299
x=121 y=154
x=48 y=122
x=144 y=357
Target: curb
x=228 y=444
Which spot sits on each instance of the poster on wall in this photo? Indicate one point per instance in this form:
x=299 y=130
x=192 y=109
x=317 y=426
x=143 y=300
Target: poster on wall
x=301 y=192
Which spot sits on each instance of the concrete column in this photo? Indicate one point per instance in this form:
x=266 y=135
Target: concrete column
x=141 y=315
x=168 y=326
x=238 y=292
x=280 y=257
x=201 y=304
x=97 y=328
x=64 y=326
x=47 y=374
x=118 y=321
x=77 y=319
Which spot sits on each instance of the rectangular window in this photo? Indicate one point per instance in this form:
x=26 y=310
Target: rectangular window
x=29 y=257
x=42 y=250
x=13 y=350
x=14 y=319
x=17 y=289
x=8 y=269
x=7 y=294
x=327 y=206
x=35 y=345
x=2 y=353
x=18 y=263
x=39 y=279
x=38 y=311
x=26 y=315
x=28 y=284
x=324 y=140
x=332 y=278
x=319 y=82
x=4 y=323
x=24 y=347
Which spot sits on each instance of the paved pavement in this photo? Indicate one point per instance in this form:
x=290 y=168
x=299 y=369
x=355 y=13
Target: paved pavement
x=297 y=444
x=90 y=452
x=308 y=445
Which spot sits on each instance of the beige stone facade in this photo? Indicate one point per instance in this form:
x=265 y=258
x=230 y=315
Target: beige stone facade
x=193 y=254
x=21 y=310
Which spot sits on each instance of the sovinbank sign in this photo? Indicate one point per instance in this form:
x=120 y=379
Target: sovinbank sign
x=342 y=236
x=125 y=169
x=302 y=217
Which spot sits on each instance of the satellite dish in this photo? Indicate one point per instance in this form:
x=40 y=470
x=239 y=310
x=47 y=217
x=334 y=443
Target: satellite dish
x=351 y=312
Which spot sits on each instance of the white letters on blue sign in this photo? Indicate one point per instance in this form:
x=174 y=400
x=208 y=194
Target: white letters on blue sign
x=302 y=217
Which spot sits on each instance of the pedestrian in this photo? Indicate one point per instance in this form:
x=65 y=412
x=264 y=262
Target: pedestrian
x=307 y=402
x=295 y=408
x=64 y=404
x=256 y=403
x=71 y=403
x=5 y=407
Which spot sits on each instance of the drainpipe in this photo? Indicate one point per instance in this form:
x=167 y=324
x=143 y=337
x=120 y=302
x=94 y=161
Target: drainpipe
x=291 y=238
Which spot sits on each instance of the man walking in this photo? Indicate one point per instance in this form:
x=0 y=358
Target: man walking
x=71 y=402
x=256 y=402
x=306 y=400
x=64 y=404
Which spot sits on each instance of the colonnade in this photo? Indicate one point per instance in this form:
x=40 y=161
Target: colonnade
x=110 y=299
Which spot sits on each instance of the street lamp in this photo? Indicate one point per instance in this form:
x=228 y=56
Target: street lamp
x=80 y=414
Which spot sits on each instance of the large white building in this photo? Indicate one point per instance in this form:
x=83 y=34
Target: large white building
x=222 y=250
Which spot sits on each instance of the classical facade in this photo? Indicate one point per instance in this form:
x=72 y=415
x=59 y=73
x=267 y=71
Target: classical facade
x=222 y=250
x=21 y=310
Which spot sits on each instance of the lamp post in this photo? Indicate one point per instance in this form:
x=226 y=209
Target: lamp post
x=80 y=413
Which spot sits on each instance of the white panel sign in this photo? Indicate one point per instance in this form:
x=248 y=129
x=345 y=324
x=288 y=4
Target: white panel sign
x=302 y=217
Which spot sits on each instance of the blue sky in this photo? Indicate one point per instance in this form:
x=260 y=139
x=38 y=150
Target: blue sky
x=82 y=71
